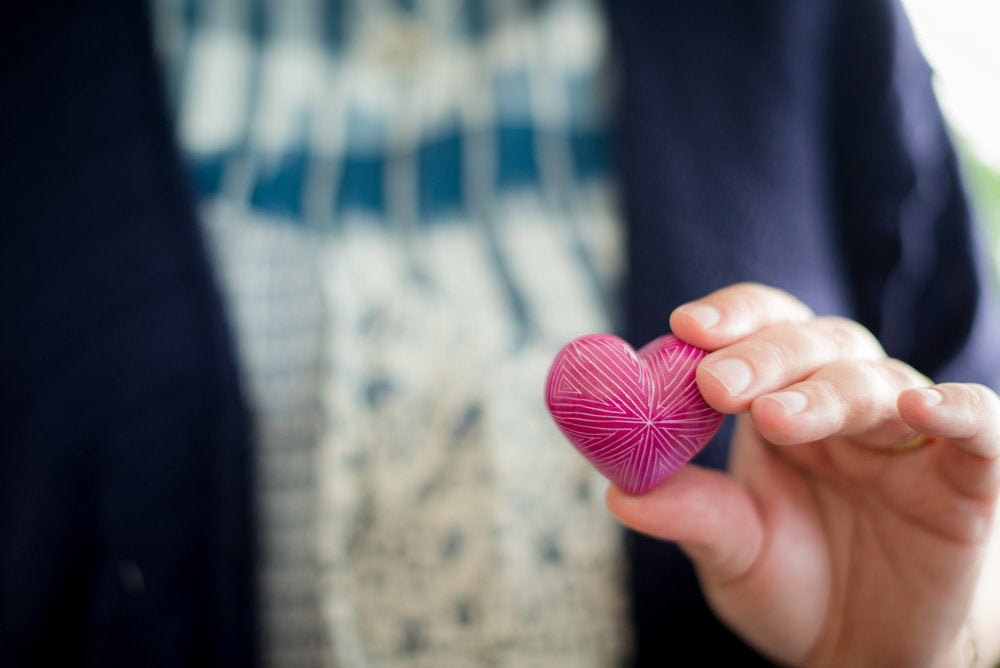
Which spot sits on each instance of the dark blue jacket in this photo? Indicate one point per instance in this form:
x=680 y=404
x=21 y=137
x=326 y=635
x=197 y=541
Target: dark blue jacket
x=793 y=143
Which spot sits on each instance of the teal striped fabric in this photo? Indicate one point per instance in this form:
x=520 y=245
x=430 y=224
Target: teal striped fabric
x=228 y=59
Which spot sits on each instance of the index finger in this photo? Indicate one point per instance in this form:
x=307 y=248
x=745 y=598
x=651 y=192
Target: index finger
x=734 y=312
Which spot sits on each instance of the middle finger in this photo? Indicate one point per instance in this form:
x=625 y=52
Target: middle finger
x=777 y=356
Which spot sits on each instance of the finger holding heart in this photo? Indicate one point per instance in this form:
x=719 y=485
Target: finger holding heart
x=801 y=377
x=826 y=543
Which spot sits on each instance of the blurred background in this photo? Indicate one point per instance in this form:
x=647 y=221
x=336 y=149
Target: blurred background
x=959 y=40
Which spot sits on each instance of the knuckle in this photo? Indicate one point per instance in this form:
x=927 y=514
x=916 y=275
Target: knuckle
x=745 y=297
x=762 y=301
x=825 y=392
x=850 y=337
x=977 y=408
x=903 y=374
x=768 y=354
x=860 y=379
x=864 y=380
x=973 y=395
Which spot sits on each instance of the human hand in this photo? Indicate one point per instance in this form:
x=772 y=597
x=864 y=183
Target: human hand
x=824 y=544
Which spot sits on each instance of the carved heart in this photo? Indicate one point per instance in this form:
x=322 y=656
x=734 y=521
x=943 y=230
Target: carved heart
x=637 y=417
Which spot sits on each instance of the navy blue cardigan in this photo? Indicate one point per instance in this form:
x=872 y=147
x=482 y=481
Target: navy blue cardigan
x=797 y=144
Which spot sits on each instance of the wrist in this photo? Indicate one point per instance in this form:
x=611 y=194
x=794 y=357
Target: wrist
x=962 y=653
x=970 y=655
x=965 y=652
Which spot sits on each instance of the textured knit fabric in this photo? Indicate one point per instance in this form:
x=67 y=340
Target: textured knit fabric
x=795 y=143
x=410 y=209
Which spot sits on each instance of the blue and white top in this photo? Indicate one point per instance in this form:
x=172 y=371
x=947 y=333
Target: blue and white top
x=410 y=207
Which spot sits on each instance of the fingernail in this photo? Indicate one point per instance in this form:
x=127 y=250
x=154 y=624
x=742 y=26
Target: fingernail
x=734 y=374
x=792 y=401
x=706 y=316
x=931 y=396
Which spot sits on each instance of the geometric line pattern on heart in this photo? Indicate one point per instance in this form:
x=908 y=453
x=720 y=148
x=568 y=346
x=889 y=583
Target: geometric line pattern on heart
x=637 y=417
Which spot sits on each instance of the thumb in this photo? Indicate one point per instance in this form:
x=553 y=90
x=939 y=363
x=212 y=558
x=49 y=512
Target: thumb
x=712 y=518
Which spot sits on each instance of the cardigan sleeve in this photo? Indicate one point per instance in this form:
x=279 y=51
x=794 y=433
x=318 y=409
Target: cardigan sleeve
x=920 y=277
x=124 y=459
x=798 y=145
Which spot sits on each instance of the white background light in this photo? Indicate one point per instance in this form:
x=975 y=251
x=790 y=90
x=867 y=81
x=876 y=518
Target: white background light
x=961 y=39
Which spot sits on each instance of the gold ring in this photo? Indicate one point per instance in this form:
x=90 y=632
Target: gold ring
x=915 y=442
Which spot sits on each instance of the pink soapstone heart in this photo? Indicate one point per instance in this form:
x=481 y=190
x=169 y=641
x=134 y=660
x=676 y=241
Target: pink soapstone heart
x=637 y=417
